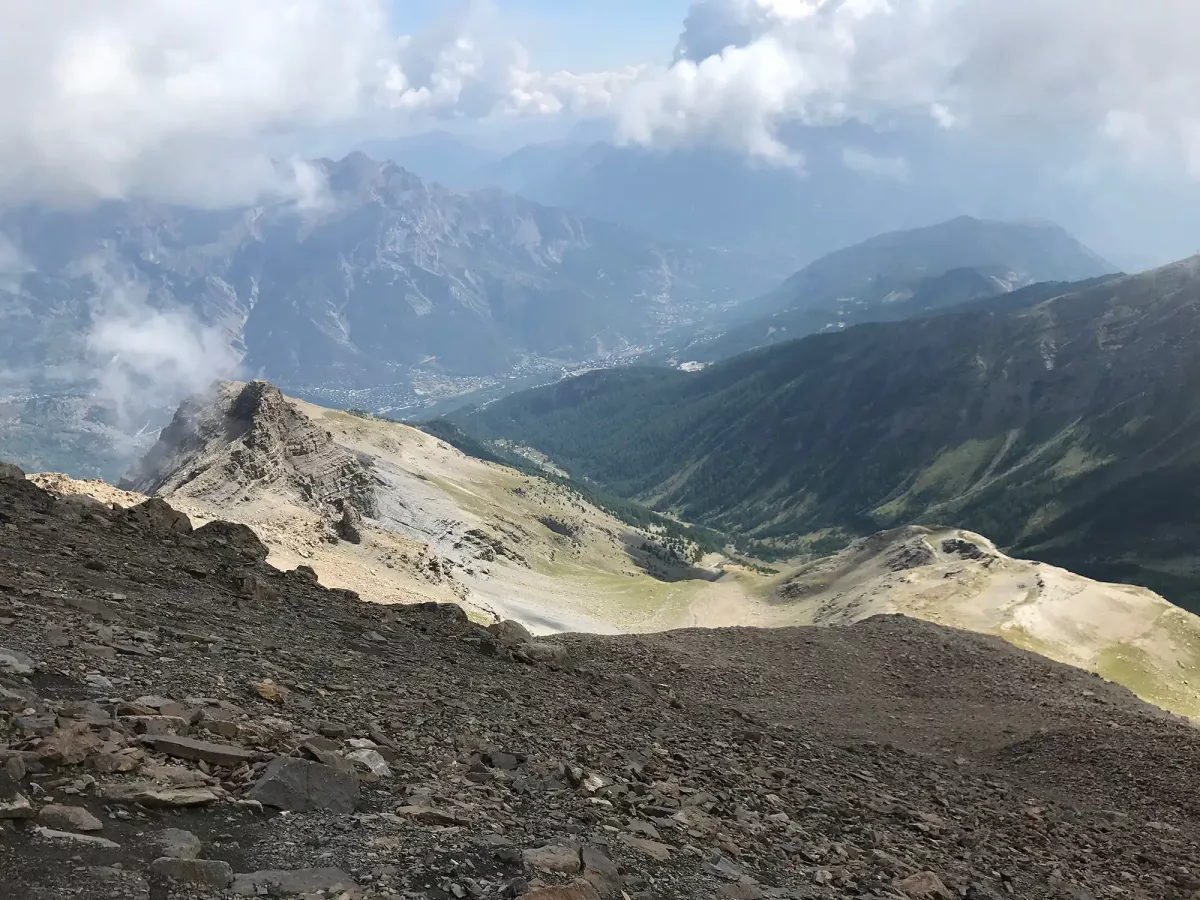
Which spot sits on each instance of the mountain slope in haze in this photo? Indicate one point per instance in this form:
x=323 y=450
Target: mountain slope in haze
x=967 y=288
x=900 y=275
x=713 y=197
x=892 y=268
x=874 y=271
x=855 y=182
x=379 y=273
x=1064 y=430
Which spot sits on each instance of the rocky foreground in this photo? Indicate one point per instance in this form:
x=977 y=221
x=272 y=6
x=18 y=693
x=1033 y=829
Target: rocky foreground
x=180 y=720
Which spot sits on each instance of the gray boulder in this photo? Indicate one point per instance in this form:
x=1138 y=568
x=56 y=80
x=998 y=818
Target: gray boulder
x=300 y=785
x=158 y=515
x=349 y=526
x=14 y=662
x=301 y=881
x=178 y=844
x=208 y=872
x=510 y=633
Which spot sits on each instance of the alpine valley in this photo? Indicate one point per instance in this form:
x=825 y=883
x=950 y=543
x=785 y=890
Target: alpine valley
x=1057 y=420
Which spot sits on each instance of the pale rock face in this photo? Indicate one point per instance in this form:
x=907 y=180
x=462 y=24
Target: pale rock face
x=249 y=435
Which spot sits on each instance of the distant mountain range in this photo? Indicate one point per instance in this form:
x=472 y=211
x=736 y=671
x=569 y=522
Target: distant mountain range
x=383 y=272
x=709 y=197
x=900 y=275
x=853 y=182
x=1065 y=427
x=386 y=291
x=110 y=314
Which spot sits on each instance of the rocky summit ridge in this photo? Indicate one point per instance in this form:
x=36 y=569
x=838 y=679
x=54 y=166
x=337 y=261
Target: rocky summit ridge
x=180 y=720
x=236 y=437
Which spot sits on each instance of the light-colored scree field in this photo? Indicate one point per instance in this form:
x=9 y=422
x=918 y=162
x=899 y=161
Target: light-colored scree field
x=449 y=527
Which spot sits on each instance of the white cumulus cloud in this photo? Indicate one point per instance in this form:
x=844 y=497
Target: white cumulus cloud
x=195 y=100
x=175 y=98
x=1105 y=71
x=198 y=100
x=144 y=357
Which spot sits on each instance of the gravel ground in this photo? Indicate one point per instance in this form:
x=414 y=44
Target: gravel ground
x=155 y=678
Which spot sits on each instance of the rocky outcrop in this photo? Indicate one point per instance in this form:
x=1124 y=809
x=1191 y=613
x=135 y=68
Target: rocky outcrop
x=350 y=524
x=226 y=444
x=11 y=471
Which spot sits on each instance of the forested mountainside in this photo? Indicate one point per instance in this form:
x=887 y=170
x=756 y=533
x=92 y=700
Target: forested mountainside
x=1065 y=429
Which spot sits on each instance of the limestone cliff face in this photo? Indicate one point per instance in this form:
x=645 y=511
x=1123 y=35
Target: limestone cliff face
x=237 y=439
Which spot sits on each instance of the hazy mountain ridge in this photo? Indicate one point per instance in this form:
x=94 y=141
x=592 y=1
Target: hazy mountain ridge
x=900 y=275
x=379 y=273
x=111 y=314
x=1064 y=430
x=715 y=197
x=1024 y=252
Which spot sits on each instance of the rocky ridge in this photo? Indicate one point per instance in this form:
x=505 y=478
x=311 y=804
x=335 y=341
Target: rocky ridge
x=180 y=720
x=240 y=437
x=390 y=510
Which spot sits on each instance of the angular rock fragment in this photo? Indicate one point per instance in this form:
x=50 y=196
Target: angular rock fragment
x=299 y=881
x=11 y=472
x=579 y=890
x=600 y=872
x=15 y=806
x=300 y=785
x=156 y=725
x=89 y=839
x=653 y=849
x=510 y=633
x=431 y=816
x=197 y=751
x=14 y=662
x=151 y=795
x=370 y=761
x=271 y=692
x=178 y=844
x=207 y=872
x=158 y=515
x=68 y=818
x=233 y=535
x=349 y=526
x=554 y=858
x=924 y=886
x=543 y=652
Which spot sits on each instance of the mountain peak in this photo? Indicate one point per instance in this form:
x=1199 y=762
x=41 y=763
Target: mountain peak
x=235 y=439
